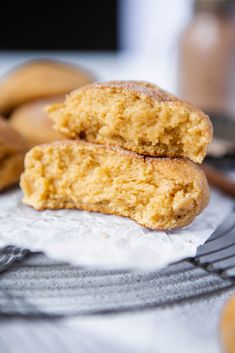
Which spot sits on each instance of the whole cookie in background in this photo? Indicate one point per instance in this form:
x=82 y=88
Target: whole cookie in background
x=32 y=122
x=12 y=152
x=227 y=326
x=38 y=79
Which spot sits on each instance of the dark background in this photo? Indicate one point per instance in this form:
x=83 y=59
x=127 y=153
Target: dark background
x=65 y=25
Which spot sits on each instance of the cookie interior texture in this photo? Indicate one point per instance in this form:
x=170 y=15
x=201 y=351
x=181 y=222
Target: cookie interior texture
x=37 y=79
x=158 y=193
x=12 y=151
x=137 y=116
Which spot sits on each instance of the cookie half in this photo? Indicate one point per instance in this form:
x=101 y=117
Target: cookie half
x=12 y=152
x=157 y=193
x=137 y=116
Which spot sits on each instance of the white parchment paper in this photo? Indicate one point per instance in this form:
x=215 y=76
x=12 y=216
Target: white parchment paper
x=97 y=240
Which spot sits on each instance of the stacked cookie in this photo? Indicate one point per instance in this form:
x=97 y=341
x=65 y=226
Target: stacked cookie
x=39 y=79
x=12 y=151
x=131 y=152
x=24 y=91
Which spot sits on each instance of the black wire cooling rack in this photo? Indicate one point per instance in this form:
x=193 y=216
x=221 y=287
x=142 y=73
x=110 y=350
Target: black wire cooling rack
x=33 y=285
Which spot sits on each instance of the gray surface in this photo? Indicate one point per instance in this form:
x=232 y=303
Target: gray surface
x=191 y=327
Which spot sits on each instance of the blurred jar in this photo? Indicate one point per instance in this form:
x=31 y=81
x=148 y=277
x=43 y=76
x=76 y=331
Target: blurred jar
x=207 y=57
